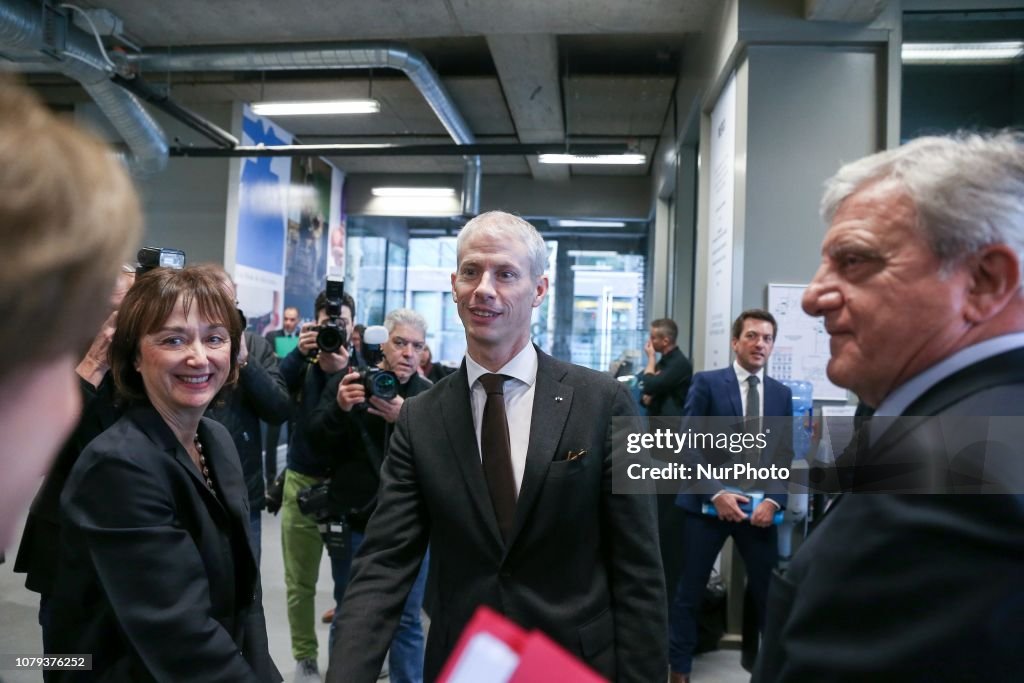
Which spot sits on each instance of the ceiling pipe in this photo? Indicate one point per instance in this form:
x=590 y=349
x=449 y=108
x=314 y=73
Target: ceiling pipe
x=359 y=55
x=74 y=53
x=471 y=187
x=148 y=93
x=390 y=150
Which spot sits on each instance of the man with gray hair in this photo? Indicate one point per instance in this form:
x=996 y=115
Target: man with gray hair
x=920 y=289
x=505 y=469
x=354 y=426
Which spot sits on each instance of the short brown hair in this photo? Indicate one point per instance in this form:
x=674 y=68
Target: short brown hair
x=666 y=327
x=756 y=314
x=69 y=217
x=150 y=302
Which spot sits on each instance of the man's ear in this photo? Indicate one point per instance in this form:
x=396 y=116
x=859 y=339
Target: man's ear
x=994 y=280
x=542 y=289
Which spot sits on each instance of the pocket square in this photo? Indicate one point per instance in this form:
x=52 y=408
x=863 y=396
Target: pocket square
x=576 y=455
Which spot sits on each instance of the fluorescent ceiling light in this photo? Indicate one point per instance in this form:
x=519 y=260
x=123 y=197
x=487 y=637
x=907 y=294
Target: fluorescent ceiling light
x=316 y=108
x=413 y=192
x=628 y=159
x=572 y=223
x=924 y=53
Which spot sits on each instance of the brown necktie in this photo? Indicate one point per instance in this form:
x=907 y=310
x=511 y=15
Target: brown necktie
x=496 y=452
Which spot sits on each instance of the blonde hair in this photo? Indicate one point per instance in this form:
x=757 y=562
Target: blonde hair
x=504 y=227
x=69 y=217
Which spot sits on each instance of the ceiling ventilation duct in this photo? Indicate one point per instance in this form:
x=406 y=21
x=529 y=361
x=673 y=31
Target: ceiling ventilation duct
x=365 y=55
x=27 y=25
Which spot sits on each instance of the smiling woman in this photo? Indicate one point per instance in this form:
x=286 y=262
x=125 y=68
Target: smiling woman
x=163 y=566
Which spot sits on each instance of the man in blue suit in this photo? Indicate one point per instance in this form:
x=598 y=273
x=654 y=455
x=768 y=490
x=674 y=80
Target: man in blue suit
x=741 y=390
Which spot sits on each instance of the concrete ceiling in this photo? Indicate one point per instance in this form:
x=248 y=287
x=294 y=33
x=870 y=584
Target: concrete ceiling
x=530 y=71
x=200 y=22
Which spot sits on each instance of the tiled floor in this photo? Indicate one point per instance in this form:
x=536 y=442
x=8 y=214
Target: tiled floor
x=19 y=632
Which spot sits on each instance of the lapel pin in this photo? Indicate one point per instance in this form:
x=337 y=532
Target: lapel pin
x=558 y=398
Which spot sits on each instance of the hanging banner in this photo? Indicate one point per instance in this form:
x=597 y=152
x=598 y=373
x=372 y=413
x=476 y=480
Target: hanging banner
x=720 y=228
x=262 y=214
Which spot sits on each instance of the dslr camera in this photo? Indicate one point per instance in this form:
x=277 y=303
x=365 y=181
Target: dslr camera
x=376 y=382
x=332 y=335
x=314 y=501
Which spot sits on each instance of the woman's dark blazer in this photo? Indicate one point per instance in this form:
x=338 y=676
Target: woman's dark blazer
x=156 y=579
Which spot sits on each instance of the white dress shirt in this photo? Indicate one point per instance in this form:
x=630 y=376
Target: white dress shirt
x=518 y=403
x=741 y=377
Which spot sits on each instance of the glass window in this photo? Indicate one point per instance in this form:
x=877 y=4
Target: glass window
x=608 y=308
x=365 y=277
x=395 y=297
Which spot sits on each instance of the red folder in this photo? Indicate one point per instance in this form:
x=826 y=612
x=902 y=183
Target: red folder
x=493 y=649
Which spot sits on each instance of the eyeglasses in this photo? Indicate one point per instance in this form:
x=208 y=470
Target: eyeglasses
x=400 y=343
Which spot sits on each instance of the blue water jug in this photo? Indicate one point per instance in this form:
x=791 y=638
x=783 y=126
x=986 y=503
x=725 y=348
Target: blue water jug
x=803 y=411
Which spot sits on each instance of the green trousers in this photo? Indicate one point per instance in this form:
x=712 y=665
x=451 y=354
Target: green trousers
x=301 y=547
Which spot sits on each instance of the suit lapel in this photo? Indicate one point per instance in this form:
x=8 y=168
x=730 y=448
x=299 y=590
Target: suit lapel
x=232 y=489
x=457 y=416
x=732 y=390
x=161 y=435
x=546 y=424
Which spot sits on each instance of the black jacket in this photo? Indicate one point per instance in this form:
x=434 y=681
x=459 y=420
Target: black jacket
x=356 y=442
x=306 y=382
x=156 y=576
x=668 y=388
x=260 y=394
x=915 y=587
x=582 y=563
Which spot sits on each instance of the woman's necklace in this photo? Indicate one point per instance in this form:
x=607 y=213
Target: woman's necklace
x=202 y=465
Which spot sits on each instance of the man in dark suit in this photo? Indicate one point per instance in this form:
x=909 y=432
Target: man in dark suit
x=289 y=329
x=505 y=469
x=920 y=289
x=740 y=390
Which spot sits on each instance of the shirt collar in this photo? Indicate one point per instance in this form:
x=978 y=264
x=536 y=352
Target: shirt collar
x=522 y=367
x=742 y=374
x=904 y=395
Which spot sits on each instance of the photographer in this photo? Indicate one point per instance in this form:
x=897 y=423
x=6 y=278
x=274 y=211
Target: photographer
x=306 y=370
x=355 y=427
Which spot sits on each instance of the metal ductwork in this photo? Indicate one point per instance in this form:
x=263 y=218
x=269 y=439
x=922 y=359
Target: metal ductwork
x=362 y=55
x=471 y=187
x=30 y=25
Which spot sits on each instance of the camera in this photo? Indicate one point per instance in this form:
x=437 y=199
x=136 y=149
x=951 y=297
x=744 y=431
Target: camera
x=313 y=502
x=159 y=257
x=376 y=382
x=332 y=335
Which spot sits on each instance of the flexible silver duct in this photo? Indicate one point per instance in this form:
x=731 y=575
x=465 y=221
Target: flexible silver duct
x=471 y=187
x=361 y=55
x=21 y=28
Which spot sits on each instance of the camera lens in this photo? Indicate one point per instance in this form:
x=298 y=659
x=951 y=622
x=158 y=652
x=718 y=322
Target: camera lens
x=384 y=385
x=329 y=339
